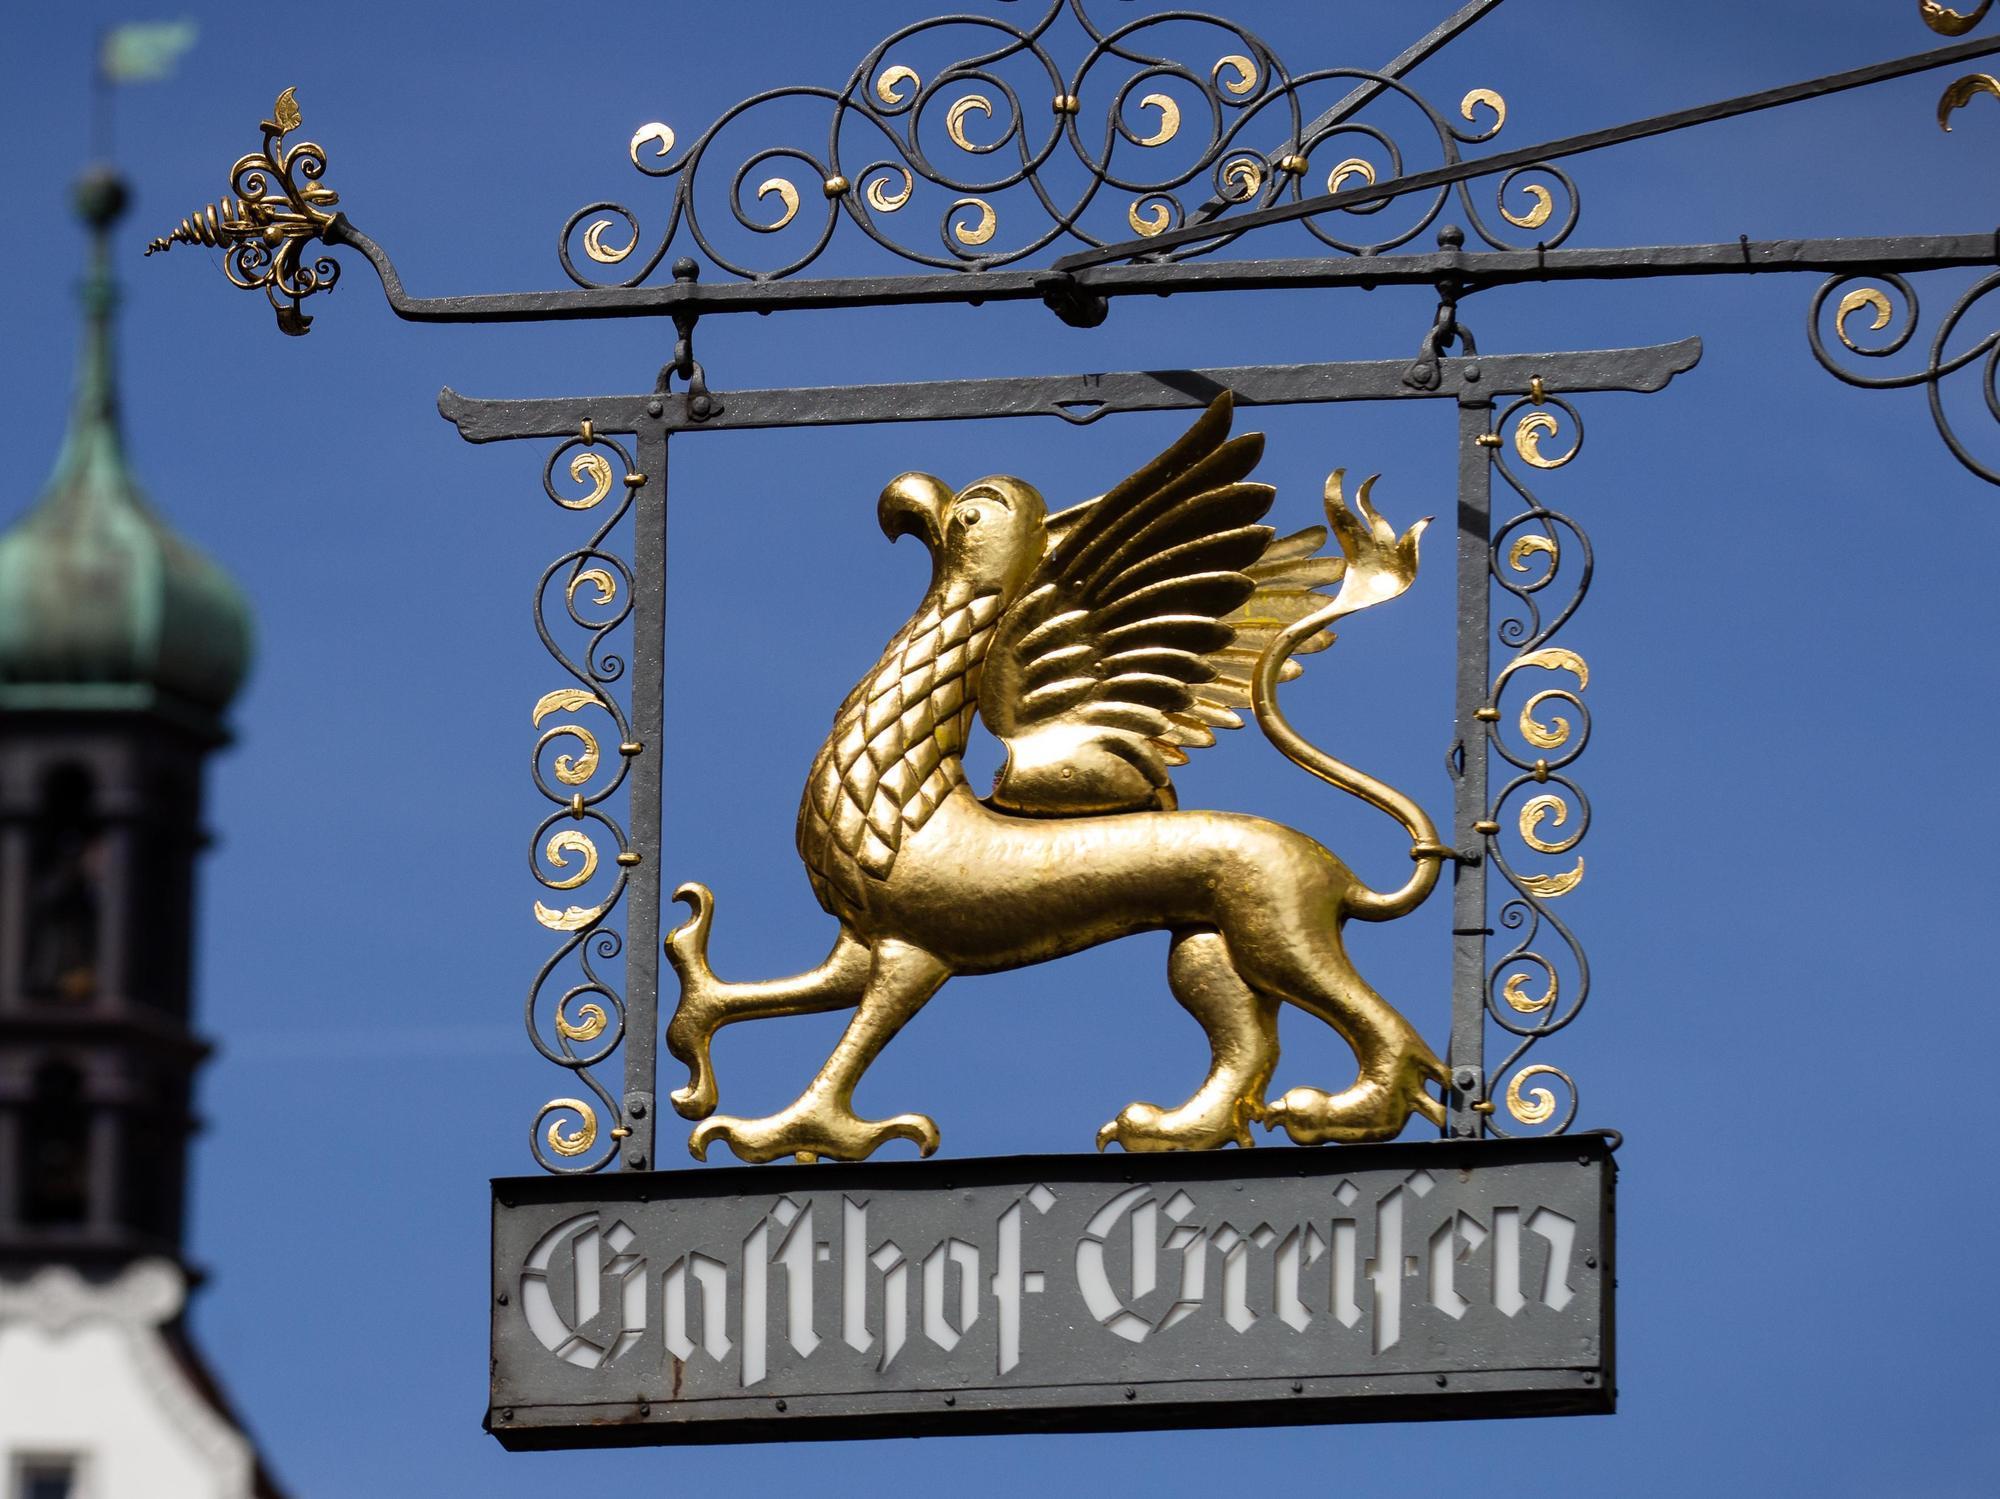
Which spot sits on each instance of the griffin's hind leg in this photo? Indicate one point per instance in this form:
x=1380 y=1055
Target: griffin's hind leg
x=1396 y=1064
x=707 y=1003
x=1242 y=1028
x=822 y=1121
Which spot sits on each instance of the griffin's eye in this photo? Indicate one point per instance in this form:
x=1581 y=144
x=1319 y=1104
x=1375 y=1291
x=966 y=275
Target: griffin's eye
x=970 y=515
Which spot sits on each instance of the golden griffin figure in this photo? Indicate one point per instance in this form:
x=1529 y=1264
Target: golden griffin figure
x=1099 y=644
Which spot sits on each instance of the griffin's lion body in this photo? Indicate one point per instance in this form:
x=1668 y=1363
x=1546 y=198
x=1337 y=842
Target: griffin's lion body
x=1097 y=644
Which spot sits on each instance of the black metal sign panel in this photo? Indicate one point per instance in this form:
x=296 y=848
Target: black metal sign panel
x=1053 y=1293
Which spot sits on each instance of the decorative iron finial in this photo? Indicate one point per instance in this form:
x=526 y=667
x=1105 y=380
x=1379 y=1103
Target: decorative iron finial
x=278 y=208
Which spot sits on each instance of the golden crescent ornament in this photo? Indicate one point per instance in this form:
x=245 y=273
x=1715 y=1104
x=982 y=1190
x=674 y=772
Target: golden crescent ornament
x=1469 y=107
x=982 y=231
x=1170 y=119
x=1153 y=221
x=1540 y=1105
x=1553 y=658
x=1354 y=166
x=557 y=851
x=954 y=120
x=654 y=133
x=593 y=243
x=787 y=194
x=1945 y=21
x=570 y=919
x=588 y=1028
x=1853 y=302
x=563 y=700
x=1534 y=218
x=1961 y=94
x=1246 y=175
x=889 y=85
x=1525 y=547
x=1551 y=886
x=1528 y=440
x=1244 y=69
x=1551 y=735
x=575 y=772
x=1556 y=810
x=599 y=578
x=595 y=468
x=586 y=1131
x=1514 y=991
x=884 y=201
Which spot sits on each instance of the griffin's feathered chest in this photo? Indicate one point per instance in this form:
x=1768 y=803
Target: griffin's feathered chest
x=893 y=755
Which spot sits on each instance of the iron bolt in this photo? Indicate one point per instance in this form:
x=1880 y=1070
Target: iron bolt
x=1590 y=1379
x=1443 y=1381
x=1298 y=1386
x=951 y=1400
x=645 y=1409
x=635 y=1158
x=1465 y=1079
x=638 y=1109
x=1590 y=1261
x=700 y=406
x=781 y=1405
x=654 y=408
x=1130 y=1393
x=502 y=1298
x=507 y=1414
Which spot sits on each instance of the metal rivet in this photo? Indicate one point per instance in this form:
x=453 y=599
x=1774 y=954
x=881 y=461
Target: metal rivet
x=655 y=408
x=636 y=1158
x=1590 y=1379
x=700 y=405
x=1130 y=1393
x=1472 y=374
x=1298 y=1386
x=645 y=1409
x=502 y=1298
x=507 y=1415
x=1465 y=1079
x=1590 y=1261
x=951 y=1400
x=1442 y=1381
x=638 y=1108
x=781 y=1405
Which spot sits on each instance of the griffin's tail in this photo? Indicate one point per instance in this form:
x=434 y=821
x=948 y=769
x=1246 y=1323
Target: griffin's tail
x=1380 y=565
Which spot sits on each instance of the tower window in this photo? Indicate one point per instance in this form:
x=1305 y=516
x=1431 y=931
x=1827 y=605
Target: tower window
x=54 y=1145
x=65 y=873
x=44 y=1478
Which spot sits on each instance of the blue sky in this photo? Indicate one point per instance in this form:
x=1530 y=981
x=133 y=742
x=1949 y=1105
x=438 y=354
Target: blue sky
x=1792 y=694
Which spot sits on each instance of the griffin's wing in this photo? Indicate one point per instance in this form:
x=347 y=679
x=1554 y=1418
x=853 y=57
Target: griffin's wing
x=1136 y=636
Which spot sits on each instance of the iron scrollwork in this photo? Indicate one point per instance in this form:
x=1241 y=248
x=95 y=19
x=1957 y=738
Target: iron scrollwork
x=278 y=207
x=1160 y=127
x=1897 y=319
x=572 y=770
x=1541 y=558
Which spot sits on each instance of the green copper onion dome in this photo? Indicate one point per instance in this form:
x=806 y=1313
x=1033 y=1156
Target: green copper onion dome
x=101 y=604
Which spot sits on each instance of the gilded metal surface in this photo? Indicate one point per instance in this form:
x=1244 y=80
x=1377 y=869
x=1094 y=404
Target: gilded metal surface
x=588 y=1026
x=1549 y=886
x=1962 y=93
x=278 y=207
x=1854 y=301
x=570 y=1142
x=1099 y=644
x=788 y=195
x=1170 y=119
x=1484 y=98
x=1949 y=22
x=1528 y=437
x=1540 y=1104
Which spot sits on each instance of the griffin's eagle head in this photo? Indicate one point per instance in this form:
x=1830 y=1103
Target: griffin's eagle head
x=986 y=538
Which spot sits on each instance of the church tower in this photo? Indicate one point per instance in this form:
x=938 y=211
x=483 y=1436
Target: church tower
x=120 y=649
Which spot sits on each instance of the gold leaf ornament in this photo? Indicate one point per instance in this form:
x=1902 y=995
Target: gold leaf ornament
x=594 y=247
x=557 y=851
x=589 y=1025
x=1552 y=886
x=1963 y=92
x=1946 y=21
x=1515 y=992
x=1528 y=435
x=1525 y=547
x=1484 y=98
x=285 y=113
x=597 y=577
x=1354 y=166
x=977 y=232
x=655 y=133
x=885 y=201
x=1170 y=119
x=788 y=194
x=1534 y=218
x=570 y=919
x=889 y=84
x=1244 y=69
x=574 y=1142
x=1242 y=176
x=1539 y=1107
x=1154 y=219
x=1853 y=302
x=954 y=121
x=563 y=700
x=593 y=469
x=1556 y=810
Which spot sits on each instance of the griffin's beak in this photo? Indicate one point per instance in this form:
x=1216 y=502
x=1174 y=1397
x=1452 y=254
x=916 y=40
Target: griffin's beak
x=914 y=505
